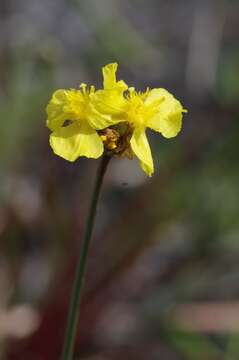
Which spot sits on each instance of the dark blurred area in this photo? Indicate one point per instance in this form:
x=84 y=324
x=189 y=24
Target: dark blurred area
x=163 y=274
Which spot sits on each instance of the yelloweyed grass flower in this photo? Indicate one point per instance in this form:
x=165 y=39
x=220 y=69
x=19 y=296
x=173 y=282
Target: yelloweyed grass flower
x=114 y=119
x=72 y=116
x=158 y=110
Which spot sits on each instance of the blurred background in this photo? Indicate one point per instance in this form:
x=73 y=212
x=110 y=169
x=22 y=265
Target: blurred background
x=163 y=274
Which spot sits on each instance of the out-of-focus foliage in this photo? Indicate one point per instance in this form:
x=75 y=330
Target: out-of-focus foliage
x=158 y=243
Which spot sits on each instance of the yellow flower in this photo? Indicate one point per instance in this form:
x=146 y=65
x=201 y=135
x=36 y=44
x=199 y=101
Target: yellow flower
x=73 y=115
x=87 y=122
x=158 y=110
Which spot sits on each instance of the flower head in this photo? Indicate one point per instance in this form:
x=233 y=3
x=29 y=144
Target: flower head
x=156 y=109
x=73 y=115
x=87 y=122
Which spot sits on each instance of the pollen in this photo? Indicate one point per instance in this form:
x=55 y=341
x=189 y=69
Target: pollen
x=103 y=137
x=112 y=145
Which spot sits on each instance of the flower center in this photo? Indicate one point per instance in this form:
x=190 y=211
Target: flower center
x=138 y=111
x=116 y=140
x=78 y=101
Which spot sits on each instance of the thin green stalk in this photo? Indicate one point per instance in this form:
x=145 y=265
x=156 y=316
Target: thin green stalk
x=74 y=309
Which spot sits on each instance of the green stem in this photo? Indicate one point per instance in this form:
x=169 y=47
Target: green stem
x=79 y=277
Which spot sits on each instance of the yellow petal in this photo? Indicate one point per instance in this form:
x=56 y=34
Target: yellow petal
x=111 y=102
x=108 y=106
x=55 y=114
x=76 y=140
x=140 y=146
x=99 y=120
x=64 y=105
x=109 y=77
x=168 y=119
